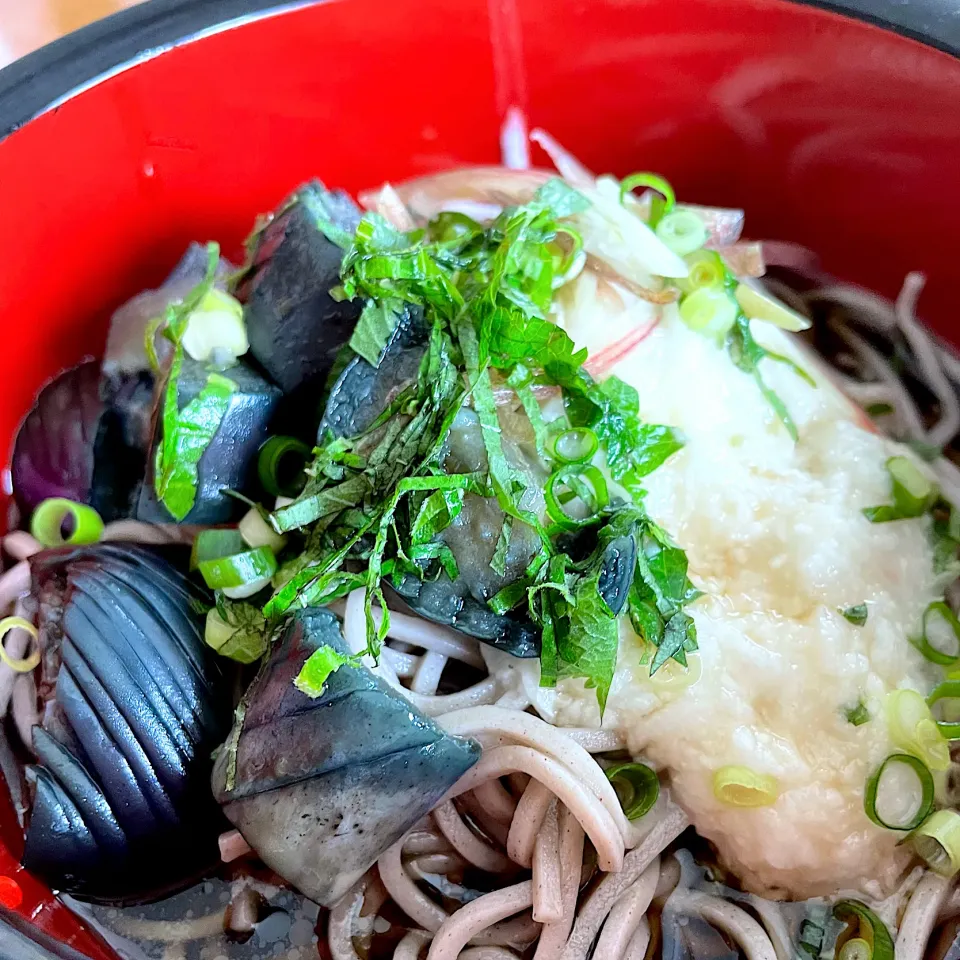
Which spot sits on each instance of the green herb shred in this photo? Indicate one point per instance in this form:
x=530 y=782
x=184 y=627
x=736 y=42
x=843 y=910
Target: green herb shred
x=186 y=433
x=857 y=615
x=376 y=506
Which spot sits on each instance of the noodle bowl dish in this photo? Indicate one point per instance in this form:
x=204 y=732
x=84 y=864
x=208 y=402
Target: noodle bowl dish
x=507 y=564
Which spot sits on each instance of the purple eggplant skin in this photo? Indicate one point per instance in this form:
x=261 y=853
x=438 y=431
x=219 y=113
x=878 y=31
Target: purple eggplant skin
x=53 y=452
x=320 y=788
x=135 y=706
x=229 y=462
x=294 y=326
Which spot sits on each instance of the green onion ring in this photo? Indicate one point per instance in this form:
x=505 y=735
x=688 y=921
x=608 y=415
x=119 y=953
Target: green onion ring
x=46 y=524
x=948 y=690
x=923 y=644
x=577 y=240
x=856 y=949
x=682 y=231
x=937 y=842
x=238 y=569
x=584 y=436
x=269 y=462
x=654 y=182
x=926 y=787
x=871 y=928
x=567 y=475
x=27 y=663
x=637 y=787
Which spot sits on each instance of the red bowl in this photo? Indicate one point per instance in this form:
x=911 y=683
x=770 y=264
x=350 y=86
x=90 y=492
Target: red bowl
x=181 y=120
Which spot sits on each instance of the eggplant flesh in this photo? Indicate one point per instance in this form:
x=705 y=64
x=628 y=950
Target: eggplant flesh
x=359 y=396
x=320 y=788
x=230 y=459
x=134 y=708
x=294 y=326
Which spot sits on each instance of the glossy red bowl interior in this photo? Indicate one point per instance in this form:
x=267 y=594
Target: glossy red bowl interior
x=828 y=131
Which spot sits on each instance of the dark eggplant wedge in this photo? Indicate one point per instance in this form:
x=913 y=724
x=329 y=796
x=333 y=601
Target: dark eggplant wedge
x=617 y=566
x=134 y=707
x=229 y=462
x=54 y=451
x=362 y=392
x=295 y=327
x=358 y=397
x=320 y=788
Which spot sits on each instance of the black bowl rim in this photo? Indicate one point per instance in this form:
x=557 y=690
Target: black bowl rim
x=53 y=74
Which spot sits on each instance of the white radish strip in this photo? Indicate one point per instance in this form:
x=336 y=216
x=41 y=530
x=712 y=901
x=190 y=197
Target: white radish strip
x=554 y=935
x=355 y=637
x=427 y=678
x=493 y=726
x=531 y=812
x=14 y=583
x=392 y=209
x=920 y=917
x=627 y=912
x=514 y=149
x=474 y=850
x=496 y=800
x=233 y=846
x=430 y=195
x=610 y=889
x=596 y=741
x=410 y=946
x=547 y=892
x=496 y=830
x=568 y=166
x=430 y=636
x=20 y=545
x=732 y=920
x=637 y=947
x=476 y=917
x=23 y=706
x=598 y=825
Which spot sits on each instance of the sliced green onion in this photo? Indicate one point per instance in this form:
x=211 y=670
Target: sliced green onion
x=216 y=630
x=742 y=787
x=241 y=574
x=637 y=787
x=654 y=182
x=759 y=305
x=216 y=543
x=913 y=729
x=937 y=841
x=949 y=724
x=856 y=949
x=256 y=532
x=588 y=483
x=215 y=329
x=890 y=782
x=577 y=445
x=940 y=641
x=59 y=522
x=710 y=311
x=280 y=465
x=912 y=491
x=857 y=715
x=867 y=926
x=682 y=231
x=27 y=663
x=706 y=269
